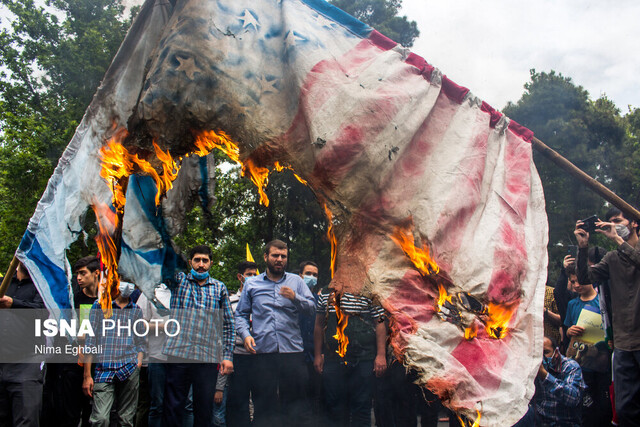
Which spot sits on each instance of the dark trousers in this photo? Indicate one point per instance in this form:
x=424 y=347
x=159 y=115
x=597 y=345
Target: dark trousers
x=626 y=383
x=282 y=375
x=21 y=394
x=144 y=399
x=348 y=390
x=398 y=401
x=596 y=410
x=64 y=402
x=240 y=385
x=179 y=378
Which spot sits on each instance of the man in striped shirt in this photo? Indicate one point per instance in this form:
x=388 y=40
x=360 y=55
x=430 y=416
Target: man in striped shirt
x=201 y=306
x=348 y=381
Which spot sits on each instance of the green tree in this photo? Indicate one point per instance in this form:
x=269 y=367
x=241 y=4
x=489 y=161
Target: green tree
x=53 y=57
x=383 y=16
x=591 y=134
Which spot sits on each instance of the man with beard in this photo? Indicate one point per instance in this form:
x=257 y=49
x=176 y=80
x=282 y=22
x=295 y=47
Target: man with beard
x=559 y=389
x=201 y=306
x=622 y=268
x=274 y=300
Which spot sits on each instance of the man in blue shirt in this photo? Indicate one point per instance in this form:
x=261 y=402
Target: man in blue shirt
x=273 y=301
x=198 y=352
x=559 y=389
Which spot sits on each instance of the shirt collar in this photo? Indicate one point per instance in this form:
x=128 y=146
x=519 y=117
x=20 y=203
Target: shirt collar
x=265 y=278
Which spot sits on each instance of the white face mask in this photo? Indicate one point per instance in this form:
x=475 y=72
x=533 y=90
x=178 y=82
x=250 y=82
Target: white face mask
x=623 y=231
x=126 y=289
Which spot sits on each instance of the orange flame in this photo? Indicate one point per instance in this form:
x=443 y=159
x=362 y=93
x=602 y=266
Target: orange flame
x=207 y=140
x=259 y=176
x=108 y=254
x=118 y=163
x=471 y=332
x=332 y=238
x=443 y=296
x=499 y=316
x=476 y=423
x=279 y=168
x=419 y=256
x=343 y=340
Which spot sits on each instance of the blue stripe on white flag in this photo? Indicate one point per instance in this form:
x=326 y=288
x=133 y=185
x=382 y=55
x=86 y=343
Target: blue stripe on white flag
x=55 y=277
x=349 y=22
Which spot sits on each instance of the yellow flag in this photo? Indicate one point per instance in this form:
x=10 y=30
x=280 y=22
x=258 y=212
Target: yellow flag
x=250 y=258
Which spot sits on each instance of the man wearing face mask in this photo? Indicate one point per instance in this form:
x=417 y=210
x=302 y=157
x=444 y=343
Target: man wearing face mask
x=201 y=306
x=622 y=268
x=559 y=389
x=308 y=273
x=117 y=373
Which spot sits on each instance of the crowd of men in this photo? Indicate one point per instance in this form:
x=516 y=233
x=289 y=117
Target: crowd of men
x=268 y=354
x=590 y=375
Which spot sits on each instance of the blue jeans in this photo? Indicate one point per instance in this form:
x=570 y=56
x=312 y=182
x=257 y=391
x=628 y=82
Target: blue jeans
x=220 y=409
x=348 y=390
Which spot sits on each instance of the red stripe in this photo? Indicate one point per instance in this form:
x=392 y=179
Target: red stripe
x=495 y=115
x=453 y=90
x=510 y=256
x=420 y=64
x=382 y=41
x=484 y=359
x=521 y=131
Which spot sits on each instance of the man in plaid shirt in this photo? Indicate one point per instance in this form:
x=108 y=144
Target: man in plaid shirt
x=559 y=389
x=204 y=344
x=117 y=368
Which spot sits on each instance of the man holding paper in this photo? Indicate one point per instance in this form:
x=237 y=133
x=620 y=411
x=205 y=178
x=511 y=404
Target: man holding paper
x=622 y=268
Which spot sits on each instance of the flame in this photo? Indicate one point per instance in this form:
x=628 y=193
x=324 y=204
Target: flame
x=207 y=140
x=108 y=254
x=118 y=164
x=332 y=238
x=419 y=256
x=499 y=316
x=259 y=176
x=443 y=296
x=471 y=332
x=343 y=340
x=279 y=168
x=476 y=423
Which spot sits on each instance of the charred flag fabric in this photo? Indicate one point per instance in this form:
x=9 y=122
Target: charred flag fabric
x=436 y=206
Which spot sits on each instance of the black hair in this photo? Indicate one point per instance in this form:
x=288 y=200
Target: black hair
x=246 y=265
x=571 y=269
x=613 y=211
x=200 y=249
x=278 y=244
x=92 y=263
x=303 y=264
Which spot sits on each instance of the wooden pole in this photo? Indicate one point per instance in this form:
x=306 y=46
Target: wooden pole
x=590 y=182
x=8 y=276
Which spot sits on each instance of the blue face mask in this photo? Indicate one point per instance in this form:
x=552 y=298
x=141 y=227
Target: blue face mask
x=548 y=363
x=199 y=276
x=311 y=281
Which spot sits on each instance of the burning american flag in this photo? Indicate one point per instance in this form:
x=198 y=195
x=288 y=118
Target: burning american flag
x=434 y=202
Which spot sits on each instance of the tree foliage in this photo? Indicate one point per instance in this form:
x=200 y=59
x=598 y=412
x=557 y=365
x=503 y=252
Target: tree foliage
x=53 y=56
x=591 y=134
x=383 y=16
